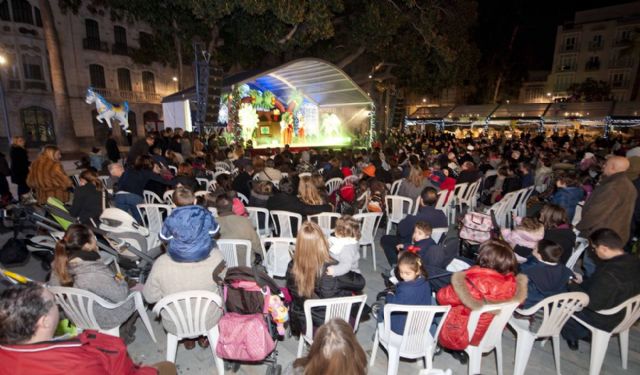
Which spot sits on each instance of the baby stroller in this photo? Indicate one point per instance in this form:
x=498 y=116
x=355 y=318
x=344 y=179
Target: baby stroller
x=254 y=319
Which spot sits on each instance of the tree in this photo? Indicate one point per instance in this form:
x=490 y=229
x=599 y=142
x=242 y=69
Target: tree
x=63 y=124
x=589 y=91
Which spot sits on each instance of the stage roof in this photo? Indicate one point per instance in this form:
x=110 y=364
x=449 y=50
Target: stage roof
x=319 y=81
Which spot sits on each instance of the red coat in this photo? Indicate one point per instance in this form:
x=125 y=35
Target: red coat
x=91 y=353
x=466 y=293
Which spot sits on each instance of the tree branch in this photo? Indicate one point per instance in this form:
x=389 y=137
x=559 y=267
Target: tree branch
x=351 y=58
x=289 y=35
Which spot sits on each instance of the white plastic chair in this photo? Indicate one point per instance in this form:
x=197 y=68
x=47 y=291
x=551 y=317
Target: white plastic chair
x=261 y=227
x=188 y=311
x=444 y=204
x=153 y=215
x=151 y=197
x=334 y=308
x=395 y=186
x=370 y=222
x=231 y=251
x=212 y=186
x=459 y=190
x=278 y=255
x=243 y=198
x=168 y=197
x=470 y=196
x=283 y=219
x=106 y=181
x=397 y=208
x=326 y=221
x=416 y=340
x=333 y=184
x=221 y=166
x=200 y=193
x=78 y=305
x=173 y=170
x=213 y=210
x=556 y=311
x=581 y=245
x=600 y=339
x=202 y=182
x=435 y=371
x=353 y=179
x=438 y=233
x=492 y=338
x=577 y=215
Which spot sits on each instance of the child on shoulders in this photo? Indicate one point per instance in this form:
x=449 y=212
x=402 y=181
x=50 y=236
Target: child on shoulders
x=344 y=247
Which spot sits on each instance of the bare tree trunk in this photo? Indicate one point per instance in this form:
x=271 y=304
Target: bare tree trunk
x=351 y=58
x=63 y=124
x=496 y=92
x=178 y=45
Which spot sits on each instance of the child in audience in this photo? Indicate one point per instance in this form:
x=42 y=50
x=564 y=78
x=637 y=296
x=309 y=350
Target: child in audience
x=547 y=276
x=344 y=247
x=189 y=228
x=412 y=289
x=424 y=246
x=524 y=237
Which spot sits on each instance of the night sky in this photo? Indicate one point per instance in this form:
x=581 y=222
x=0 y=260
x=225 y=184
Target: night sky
x=538 y=20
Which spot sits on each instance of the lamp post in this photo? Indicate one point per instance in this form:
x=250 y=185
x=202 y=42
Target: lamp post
x=3 y=102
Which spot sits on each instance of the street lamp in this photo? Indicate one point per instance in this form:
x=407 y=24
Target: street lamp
x=3 y=102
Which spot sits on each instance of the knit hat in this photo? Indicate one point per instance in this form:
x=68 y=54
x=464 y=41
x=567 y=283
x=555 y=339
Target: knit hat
x=369 y=170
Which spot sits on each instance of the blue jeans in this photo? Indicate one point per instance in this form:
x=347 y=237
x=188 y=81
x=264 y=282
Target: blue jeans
x=128 y=202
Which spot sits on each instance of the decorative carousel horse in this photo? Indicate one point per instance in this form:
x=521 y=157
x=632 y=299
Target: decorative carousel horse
x=108 y=111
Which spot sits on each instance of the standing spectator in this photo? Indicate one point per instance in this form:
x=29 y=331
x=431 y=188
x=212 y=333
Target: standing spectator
x=5 y=171
x=140 y=148
x=612 y=202
x=20 y=166
x=185 y=146
x=113 y=152
x=47 y=177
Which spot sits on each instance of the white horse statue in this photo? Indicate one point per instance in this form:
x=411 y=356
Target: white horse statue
x=108 y=111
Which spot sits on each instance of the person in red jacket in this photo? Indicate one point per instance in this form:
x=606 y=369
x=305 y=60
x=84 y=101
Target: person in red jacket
x=28 y=319
x=491 y=280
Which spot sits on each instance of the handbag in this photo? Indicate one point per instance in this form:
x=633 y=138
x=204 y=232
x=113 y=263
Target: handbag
x=476 y=227
x=244 y=337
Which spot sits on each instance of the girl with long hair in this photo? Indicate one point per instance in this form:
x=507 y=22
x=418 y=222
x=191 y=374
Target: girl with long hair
x=307 y=275
x=88 y=198
x=77 y=264
x=312 y=200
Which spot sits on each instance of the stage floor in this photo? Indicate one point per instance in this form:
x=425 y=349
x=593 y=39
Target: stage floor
x=324 y=142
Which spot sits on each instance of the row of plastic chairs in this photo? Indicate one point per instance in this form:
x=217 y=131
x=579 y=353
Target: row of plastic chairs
x=513 y=203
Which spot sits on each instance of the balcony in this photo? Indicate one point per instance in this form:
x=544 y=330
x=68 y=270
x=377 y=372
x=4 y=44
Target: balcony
x=95 y=45
x=130 y=96
x=15 y=84
x=30 y=84
x=121 y=49
x=591 y=66
x=624 y=84
x=622 y=42
x=566 y=68
x=569 y=48
x=595 y=46
x=621 y=63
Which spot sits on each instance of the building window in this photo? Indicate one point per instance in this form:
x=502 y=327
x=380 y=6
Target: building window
x=617 y=80
x=36 y=11
x=96 y=73
x=124 y=79
x=133 y=127
x=92 y=29
x=593 y=63
x=148 y=82
x=37 y=123
x=120 y=37
x=567 y=63
x=32 y=67
x=570 y=43
x=596 y=43
x=4 y=10
x=145 y=39
x=22 y=11
x=563 y=81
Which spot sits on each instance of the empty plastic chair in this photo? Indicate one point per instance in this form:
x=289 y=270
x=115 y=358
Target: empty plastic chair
x=283 y=220
x=370 y=222
x=397 y=208
x=232 y=252
x=278 y=253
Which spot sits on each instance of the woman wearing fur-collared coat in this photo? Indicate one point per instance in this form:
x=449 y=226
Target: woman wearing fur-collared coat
x=491 y=281
x=47 y=177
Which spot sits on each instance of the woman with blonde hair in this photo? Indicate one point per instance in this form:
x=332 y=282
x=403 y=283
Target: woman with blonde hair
x=307 y=275
x=47 y=177
x=335 y=351
x=412 y=186
x=312 y=201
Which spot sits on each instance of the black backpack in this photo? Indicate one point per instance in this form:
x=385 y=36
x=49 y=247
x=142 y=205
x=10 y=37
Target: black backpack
x=14 y=253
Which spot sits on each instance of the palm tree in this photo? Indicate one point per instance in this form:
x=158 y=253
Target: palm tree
x=63 y=123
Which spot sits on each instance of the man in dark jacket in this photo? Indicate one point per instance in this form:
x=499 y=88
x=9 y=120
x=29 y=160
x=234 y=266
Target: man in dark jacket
x=28 y=319
x=113 y=152
x=427 y=212
x=614 y=281
x=141 y=147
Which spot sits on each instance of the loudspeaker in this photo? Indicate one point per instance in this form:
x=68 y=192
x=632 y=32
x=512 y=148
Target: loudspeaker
x=214 y=88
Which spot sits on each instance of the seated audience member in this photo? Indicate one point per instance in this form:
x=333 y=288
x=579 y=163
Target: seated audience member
x=344 y=247
x=547 y=275
x=233 y=226
x=614 y=281
x=427 y=212
x=307 y=276
x=412 y=288
x=28 y=320
x=412 y=186
x=241 y=183
x=88 y=198
x=492 y=280
x=115 y=172
x=312 y=201
x=568 y=194
x=524 y=237
x=431 y=254
x=260 y=193
x=77 y=264
x=186 y=177
x=270 y=173
x=285 y=198
x=468 y=173
x=335 y=351
x=557 y=229
x=526 y=177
